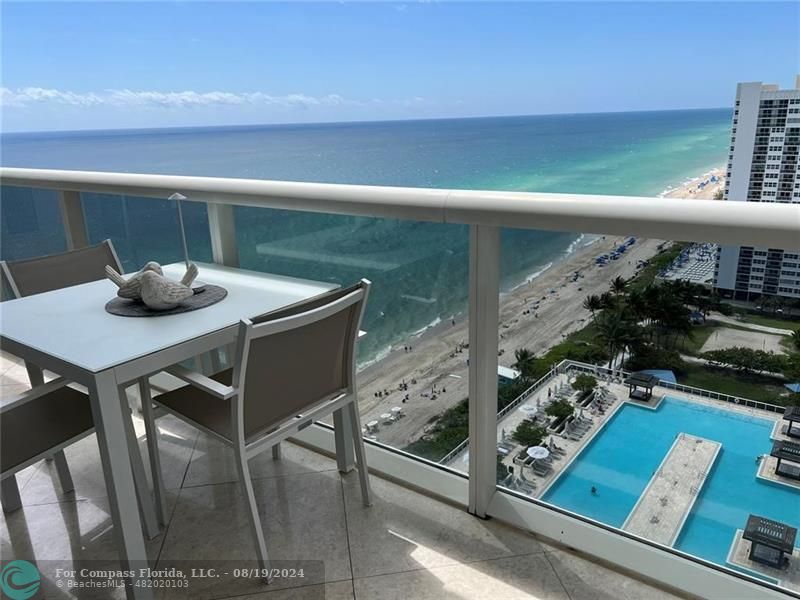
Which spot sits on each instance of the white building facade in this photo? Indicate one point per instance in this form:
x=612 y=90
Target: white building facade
x=762 y=167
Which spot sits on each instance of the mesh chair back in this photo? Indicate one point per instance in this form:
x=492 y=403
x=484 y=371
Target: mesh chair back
x=56 y=271
x=299 y=355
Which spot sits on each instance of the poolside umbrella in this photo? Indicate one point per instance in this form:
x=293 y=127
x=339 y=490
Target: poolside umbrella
x=537 y=452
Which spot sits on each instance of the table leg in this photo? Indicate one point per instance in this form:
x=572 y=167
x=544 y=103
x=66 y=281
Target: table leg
x=110 y=409
x=10 y=494
x=35 y=374
x=343 y=436
x=146 y=505
x=151 y=429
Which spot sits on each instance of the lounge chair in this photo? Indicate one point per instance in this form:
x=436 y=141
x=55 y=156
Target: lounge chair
x=575 y=435
x=526 y=487
x=541 y=468
x=505 y=446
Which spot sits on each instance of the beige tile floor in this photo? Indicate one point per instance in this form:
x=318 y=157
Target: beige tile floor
x=405 y=546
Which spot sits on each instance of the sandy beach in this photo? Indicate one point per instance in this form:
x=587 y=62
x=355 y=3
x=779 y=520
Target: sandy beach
x=535 y=315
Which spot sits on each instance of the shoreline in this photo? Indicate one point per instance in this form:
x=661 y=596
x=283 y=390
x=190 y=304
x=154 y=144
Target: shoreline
x=537 y=313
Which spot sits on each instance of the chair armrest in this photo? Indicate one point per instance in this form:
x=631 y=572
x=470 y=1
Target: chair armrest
x=32 y=394
x=201 y=382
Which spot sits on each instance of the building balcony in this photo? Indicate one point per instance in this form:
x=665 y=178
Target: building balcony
x=407 y=545
x=631 y=496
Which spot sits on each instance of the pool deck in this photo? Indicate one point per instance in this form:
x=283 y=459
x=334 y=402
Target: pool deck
x=738 y=557
x=666 y=502
x=779 y=432
x=766 y=471
x=572 y=448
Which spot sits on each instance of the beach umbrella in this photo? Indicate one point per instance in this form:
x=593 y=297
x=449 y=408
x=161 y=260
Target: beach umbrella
x=537 y=452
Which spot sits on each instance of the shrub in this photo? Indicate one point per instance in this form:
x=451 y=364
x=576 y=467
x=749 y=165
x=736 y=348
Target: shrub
x=650 y=357
x=528 y=433
x=747 y=359
x=560 y=409
x=725 y=309
x=584 y=383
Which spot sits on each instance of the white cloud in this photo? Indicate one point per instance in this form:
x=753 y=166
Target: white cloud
x=31 y=95
x=22 y=97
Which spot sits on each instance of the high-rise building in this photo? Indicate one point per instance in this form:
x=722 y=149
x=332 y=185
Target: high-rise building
x=762 y=167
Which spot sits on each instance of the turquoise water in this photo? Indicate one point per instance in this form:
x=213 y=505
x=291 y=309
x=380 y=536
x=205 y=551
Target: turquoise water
x=620 y=461
x=419 y=269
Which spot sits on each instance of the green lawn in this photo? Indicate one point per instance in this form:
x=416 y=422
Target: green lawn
x=700 y=335
x=733 y=383
x=769 y=320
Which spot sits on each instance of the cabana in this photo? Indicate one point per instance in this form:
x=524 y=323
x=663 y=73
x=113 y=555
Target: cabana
x=792 y=414
x=790 y=452
x=644 y=381
x=770 y=540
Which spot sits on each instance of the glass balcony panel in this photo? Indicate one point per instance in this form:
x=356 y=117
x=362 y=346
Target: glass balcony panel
x=413 y=361
x=31 y=223
x=145 y=229
x=649 y=403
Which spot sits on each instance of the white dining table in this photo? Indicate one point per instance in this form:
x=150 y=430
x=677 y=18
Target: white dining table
x=68 y=332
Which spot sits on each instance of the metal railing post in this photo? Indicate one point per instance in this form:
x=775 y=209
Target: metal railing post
x=484 y=299
x=225 y=251
x=72 y=217
x=222 y=228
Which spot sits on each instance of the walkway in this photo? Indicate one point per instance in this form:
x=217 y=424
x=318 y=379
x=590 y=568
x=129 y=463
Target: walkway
x=751 y=326
x=668 y=498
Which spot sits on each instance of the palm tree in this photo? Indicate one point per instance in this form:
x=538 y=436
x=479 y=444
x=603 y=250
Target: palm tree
x=525 y=362
x=618 y=286
x=618 y=331
x=610 y=326
x=608 y=300
x=637 y=304
x=593 y=304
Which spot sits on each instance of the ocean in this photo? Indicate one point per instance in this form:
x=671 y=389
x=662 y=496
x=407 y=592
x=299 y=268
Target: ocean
x=419 y=270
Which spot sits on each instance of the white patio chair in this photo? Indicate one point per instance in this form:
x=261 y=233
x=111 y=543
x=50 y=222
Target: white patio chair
x=34 y=419
x=293 y=366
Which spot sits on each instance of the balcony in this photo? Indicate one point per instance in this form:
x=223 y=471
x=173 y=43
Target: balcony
x=451 y=303
x=405 y=541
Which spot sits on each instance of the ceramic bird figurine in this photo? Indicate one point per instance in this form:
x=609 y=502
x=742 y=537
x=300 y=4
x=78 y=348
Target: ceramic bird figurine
x=130 y=288
x=155 y=290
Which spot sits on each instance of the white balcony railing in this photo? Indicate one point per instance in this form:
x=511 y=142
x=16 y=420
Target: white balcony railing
x=770 y=225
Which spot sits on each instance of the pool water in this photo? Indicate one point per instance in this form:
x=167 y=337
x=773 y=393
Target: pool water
x=622 y=458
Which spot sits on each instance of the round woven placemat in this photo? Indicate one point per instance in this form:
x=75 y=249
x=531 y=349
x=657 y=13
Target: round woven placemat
x=205 y=296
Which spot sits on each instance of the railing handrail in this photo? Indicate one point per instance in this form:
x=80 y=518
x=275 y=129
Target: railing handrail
x=748 y=223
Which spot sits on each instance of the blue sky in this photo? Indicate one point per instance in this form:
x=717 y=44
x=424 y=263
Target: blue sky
x=154 y=64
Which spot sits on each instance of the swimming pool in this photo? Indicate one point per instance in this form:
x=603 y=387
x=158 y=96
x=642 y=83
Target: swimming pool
x=623 y=456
